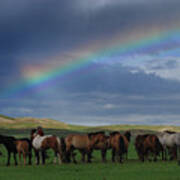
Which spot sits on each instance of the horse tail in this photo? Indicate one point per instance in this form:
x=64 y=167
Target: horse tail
x=63 y=144
x=122 y=146
x=61 y=147
x=158 y=146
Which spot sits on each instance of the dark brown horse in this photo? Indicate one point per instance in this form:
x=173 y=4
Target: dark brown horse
x=85 y=143
x=139 y=146
x=117 y=144
x=42 y=143
x=146 y=145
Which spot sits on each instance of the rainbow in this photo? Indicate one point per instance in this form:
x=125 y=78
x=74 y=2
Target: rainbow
x=97 y=51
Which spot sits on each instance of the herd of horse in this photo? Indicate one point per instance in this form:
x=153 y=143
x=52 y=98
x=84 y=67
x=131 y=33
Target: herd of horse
x=148 y=146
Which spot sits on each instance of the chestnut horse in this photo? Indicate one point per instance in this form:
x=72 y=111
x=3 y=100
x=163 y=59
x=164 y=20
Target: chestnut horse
x=42 y=143
x=84 y=143
x=14 y=145
x=117 y=143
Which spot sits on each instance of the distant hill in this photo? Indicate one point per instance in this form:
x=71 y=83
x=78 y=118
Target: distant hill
x=31 y=122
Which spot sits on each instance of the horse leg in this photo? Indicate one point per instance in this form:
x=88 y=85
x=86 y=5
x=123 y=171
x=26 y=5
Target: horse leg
x=37 y=157
x=103 y=155
x=83 y=153
x=9 y=156
x=165 y=153
x=73 y=156
x=89 y=156
x=59 y=157
x=30 y=157
x=113 y=155
x=43 y=155
x=24 y=157
x=55 y=157
x=162 y=153
x=15 y=159
x=178 y=154
x=68 y=154
x=120 y=157
x=19 y=153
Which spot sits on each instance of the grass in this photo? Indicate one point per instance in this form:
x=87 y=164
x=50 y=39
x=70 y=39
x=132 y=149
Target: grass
x=130 y=169
x=97 y=170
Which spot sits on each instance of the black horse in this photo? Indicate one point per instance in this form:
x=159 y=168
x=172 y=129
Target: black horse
x=11 y=143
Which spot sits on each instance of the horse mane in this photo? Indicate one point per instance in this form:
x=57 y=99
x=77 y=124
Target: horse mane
x=127 y=134
x=7 y=137
x=114 y=133
x=169 y=132
x=33 y=131
x=95 y=133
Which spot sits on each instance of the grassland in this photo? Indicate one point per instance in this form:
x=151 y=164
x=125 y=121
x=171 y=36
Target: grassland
x=130 y=169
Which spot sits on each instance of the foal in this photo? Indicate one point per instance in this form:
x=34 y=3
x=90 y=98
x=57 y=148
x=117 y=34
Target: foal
x=24 y=147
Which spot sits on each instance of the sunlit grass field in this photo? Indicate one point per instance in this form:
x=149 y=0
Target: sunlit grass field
x=130 y=169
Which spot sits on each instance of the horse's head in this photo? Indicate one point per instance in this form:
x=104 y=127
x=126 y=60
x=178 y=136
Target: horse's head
x=40 y=131
x=33 y=134
x=114 y=133
x=128 y=135
x=96 y=137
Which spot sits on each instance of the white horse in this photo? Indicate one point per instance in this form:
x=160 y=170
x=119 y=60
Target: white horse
x=170 y=140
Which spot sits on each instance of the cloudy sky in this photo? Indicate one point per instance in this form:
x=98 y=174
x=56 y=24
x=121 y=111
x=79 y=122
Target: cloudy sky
x=91 y=62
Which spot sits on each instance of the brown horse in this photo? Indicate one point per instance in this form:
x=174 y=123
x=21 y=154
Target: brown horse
x=102 y=145
x=24 y=147
x=84 y=143
x=117 y=144
x=42 y=143
x=146 y=145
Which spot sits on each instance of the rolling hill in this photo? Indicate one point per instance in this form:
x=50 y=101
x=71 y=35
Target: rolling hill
x=31 y=122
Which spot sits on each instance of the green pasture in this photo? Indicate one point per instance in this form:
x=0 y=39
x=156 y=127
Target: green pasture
x=130 y=169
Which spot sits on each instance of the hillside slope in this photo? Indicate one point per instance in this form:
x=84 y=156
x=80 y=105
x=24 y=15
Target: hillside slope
x=30 y=122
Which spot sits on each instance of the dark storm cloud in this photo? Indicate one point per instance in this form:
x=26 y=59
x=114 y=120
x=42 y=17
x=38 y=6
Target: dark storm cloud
x=51 y=25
